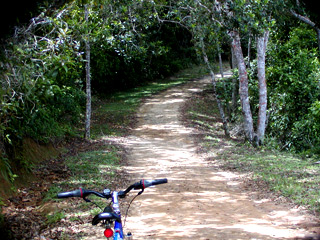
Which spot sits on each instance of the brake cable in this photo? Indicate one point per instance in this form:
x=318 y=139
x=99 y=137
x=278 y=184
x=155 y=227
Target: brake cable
x=89 y=201
x=125 y=218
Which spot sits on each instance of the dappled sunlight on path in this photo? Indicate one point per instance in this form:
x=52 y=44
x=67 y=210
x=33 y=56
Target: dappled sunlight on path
x=199 y=201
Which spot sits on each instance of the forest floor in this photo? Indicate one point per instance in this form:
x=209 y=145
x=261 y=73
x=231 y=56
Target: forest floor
x=200 y=201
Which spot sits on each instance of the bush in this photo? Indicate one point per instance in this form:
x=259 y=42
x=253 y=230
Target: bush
x=41 y=91
x=306 y=132
x=294 y=89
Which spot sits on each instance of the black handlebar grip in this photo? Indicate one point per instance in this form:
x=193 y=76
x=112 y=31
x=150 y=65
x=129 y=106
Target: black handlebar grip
x=159 y=181
x=75 y=193
x=148 y=183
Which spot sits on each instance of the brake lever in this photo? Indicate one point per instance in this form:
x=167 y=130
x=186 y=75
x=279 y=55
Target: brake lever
x=89 y=201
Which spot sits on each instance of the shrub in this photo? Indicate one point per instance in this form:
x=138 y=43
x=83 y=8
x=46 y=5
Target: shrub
x=294 y=89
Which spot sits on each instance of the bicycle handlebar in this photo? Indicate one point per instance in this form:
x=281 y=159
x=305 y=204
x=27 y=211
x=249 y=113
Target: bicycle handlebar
x=149 y=183
x=80 y=193
x=75 y=193
x=142 y=184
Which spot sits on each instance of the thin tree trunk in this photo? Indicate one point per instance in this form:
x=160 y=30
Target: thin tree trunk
x=220 y=62
x=224 y=82
x=206 y=60
x=243 y=86
x=234 y=82
x=262 y=115
x=234 y=59
x=88 y=81
x=249 y=51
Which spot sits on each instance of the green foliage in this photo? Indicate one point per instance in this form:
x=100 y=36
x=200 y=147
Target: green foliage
x=41 y=95
x=293 y=73
x=306 y=131
x=55 y=217
x=42 y=66
x=293 y=80
x=6 y=170
x=124 y=58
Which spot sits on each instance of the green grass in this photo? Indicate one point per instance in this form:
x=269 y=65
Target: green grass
x=94 y=169
x=286 y=174
x=55 y=217
x=289 y=175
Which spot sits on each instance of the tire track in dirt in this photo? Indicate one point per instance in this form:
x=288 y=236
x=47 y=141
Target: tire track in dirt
x=199 y=202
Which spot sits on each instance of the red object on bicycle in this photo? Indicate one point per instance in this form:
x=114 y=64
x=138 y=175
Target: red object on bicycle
x=108 y=233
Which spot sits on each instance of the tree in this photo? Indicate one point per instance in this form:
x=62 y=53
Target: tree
x=300 y=12
x=261 y=54
x=42 y=67
x=202 y=31
x=195 y=19
x=253 y=17
x=88 y=77
x=234 y=18
x=243 y=85
x=214 y=85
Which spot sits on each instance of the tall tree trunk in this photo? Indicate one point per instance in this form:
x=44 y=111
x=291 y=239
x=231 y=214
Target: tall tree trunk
x=243 y=85
x=88 y=80
x=222 y=115
x=234 y=82
x=262 y=115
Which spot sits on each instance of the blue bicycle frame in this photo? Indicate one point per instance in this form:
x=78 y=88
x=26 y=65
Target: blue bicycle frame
x=118 y=231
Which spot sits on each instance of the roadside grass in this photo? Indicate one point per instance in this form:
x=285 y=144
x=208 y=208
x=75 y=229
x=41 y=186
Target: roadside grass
x=286 y=174
x=99 y=167
x=94 y=169
x=279 y=173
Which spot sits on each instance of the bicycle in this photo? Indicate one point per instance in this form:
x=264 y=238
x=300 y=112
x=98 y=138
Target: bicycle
x=112 y=214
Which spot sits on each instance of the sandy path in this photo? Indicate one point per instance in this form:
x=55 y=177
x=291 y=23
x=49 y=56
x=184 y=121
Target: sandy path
x=199 y=202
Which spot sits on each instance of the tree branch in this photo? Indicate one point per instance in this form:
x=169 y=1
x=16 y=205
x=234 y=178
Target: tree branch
x=303 y=18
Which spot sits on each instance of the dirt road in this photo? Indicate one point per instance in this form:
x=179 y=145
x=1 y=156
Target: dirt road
x=200 y=201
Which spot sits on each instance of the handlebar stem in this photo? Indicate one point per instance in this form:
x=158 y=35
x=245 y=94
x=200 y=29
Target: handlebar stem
x=115 y=202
